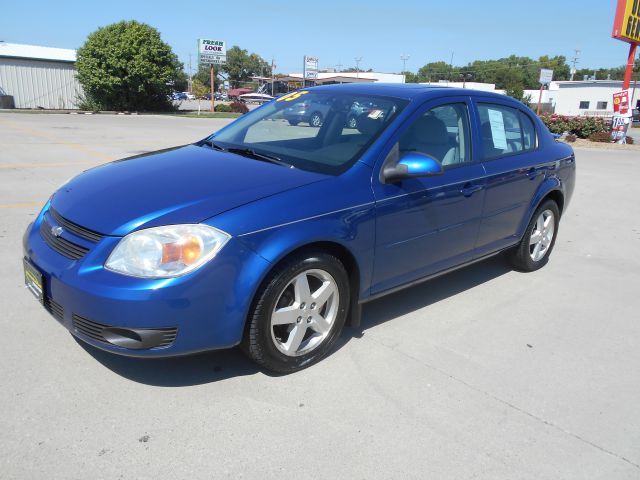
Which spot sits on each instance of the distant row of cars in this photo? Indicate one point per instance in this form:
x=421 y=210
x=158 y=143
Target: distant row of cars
x=314 y=112
x=177 y=96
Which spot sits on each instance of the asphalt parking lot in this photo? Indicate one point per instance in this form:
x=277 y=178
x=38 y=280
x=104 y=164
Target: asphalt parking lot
x=485 y=373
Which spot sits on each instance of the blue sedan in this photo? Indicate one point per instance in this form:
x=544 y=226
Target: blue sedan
x=271 y=235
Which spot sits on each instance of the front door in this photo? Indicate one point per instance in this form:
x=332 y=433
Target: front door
x=429 y=224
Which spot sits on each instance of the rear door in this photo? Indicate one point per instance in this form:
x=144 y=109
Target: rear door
x=509 y=150
x=425 y=225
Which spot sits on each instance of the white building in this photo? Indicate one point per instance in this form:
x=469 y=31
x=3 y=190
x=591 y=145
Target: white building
x=483 y=87
x=583 y=98
x=39 y=77
x=353 y=77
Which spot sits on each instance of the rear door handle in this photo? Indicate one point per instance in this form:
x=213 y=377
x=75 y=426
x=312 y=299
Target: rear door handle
x=469 y=189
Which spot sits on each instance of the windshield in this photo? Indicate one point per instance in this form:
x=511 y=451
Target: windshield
x=324 y=132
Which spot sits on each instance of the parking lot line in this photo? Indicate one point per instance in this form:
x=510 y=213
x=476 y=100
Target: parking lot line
x=22 y=205
x=55 y=139
x=42 y=165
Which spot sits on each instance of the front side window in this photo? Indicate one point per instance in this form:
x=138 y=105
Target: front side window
x=320 y=131
x=505 y=130
x=441 y=133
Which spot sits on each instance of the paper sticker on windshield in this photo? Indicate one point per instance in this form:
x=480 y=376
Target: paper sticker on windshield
x=375 y=114
x=496 y=120
x=291 y=96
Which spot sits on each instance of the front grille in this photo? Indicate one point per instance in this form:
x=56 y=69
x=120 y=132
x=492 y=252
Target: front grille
x=54 y=308
x=61 y=245
x=75 y=228
x=96 y=331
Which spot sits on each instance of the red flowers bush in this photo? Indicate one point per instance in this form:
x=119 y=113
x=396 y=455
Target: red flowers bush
x=582 y=127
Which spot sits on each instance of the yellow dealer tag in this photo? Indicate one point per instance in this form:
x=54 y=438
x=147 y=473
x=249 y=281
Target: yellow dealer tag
x=291 y=96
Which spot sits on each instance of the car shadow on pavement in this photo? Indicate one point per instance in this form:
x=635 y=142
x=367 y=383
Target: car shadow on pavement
x=183 y=371
x=219 y=365
x=422 y=295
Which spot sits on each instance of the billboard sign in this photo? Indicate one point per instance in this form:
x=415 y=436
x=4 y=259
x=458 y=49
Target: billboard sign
x=212 y=52
x=310 y=71
x=621 y=104
x=626 y=25
x=546 y=75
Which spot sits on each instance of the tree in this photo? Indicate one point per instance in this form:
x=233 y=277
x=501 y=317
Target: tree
x=199 y=89
x=181 y=82
x=127 y=66
x=241 y=65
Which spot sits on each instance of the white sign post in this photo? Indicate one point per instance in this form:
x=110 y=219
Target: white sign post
x=310 y=68
x=212 y=52
x=546 y=76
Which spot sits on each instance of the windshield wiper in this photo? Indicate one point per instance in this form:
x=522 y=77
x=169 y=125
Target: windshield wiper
x=215 y=146
x=247 y=152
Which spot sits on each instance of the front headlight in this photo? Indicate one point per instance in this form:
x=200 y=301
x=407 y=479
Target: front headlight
x=169 y=251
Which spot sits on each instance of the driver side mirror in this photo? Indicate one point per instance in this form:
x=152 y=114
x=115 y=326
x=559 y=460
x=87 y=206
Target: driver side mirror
x=411 y=165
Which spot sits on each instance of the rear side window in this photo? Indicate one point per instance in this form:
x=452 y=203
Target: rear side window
x=528 y=132
x=505 y=130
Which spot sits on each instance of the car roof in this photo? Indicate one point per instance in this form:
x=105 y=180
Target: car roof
x=408 y=91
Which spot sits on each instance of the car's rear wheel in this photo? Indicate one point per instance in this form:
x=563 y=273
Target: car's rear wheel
x=539 y=239
x=316 y=119
x=298 y=313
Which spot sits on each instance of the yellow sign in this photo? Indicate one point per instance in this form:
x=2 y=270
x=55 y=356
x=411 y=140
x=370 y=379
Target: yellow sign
x=626 y=25
x=291 y=96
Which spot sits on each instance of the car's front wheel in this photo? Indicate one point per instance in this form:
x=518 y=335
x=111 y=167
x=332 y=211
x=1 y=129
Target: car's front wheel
x=298 y=313
x=539 y=238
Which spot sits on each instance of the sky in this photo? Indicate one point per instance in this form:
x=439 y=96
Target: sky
x=338 y=31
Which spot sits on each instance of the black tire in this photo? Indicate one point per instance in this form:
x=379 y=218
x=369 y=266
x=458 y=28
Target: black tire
x=520 y=256
x=258 y=342
x=293 y=123
x=352 y=122
x=315 y=120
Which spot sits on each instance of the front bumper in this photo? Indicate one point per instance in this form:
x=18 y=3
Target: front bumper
x=203 y=310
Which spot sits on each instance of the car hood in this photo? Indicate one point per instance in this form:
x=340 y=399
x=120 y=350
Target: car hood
x=182 y=185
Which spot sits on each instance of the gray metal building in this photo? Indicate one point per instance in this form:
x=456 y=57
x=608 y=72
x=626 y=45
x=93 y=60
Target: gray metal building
x=39 y=77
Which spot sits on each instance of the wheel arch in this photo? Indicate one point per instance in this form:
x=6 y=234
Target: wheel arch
x=346 y=257
x=551 y=189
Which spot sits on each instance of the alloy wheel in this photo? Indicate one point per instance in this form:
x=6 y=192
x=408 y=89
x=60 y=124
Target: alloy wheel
x=305 y=313
x=542 y=235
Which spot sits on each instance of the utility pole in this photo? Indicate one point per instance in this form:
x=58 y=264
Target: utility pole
x=339 y=66
x=358 y=60
x=190 y=82
x=574 y=62
x=273 y=66
x=404 y=57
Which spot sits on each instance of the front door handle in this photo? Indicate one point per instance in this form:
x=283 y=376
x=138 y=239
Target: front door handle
x=469 y=189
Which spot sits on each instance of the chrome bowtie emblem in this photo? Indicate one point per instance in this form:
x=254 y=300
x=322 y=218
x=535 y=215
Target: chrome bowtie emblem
x=56 y=231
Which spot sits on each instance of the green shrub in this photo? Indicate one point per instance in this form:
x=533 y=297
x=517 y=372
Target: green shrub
x=127 y=66
x=239 y=107
x=223 y=107
x=582 y=127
